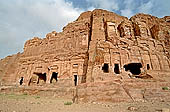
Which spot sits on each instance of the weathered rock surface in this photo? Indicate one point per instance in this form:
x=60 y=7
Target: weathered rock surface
x=101 y=52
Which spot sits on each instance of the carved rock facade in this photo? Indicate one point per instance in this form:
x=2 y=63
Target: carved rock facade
x=100 y=46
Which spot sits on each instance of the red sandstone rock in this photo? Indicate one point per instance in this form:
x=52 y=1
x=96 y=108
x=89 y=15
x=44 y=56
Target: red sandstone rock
x=95 y=48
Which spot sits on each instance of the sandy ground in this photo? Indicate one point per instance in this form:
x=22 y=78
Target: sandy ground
x=26 y=103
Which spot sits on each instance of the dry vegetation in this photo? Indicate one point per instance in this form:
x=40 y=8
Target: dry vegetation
x=27 y=103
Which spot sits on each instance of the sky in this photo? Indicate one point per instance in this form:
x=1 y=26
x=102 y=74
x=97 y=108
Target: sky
x=21 y=20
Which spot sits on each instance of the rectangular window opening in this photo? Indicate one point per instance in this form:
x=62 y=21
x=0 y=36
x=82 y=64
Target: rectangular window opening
x=116 y=69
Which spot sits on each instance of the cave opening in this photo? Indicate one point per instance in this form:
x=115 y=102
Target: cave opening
x=54 y=77
x=116 y=69
x=37 y=78
x=134 y=68
x=105 y=68
x=75 y=80
x=148 y=66
x=21 y=80
x=41 y=78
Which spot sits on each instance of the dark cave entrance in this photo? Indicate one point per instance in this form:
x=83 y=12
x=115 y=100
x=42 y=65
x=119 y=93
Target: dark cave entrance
x=21 y=80
x=37 y=78
x=75 y=80
x=148 y=66
x=41 y=78
x=105 y=68
x=134 y=68
x=116 y=69
x=54 y=77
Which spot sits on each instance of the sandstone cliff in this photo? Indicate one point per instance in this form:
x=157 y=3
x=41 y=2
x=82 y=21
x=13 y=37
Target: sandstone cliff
x=95 y=38
x=100 y=46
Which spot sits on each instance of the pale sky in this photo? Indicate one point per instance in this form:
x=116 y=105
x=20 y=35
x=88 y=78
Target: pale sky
x=21 y=20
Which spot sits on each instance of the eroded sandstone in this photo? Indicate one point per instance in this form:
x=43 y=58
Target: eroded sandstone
x=99 y=49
